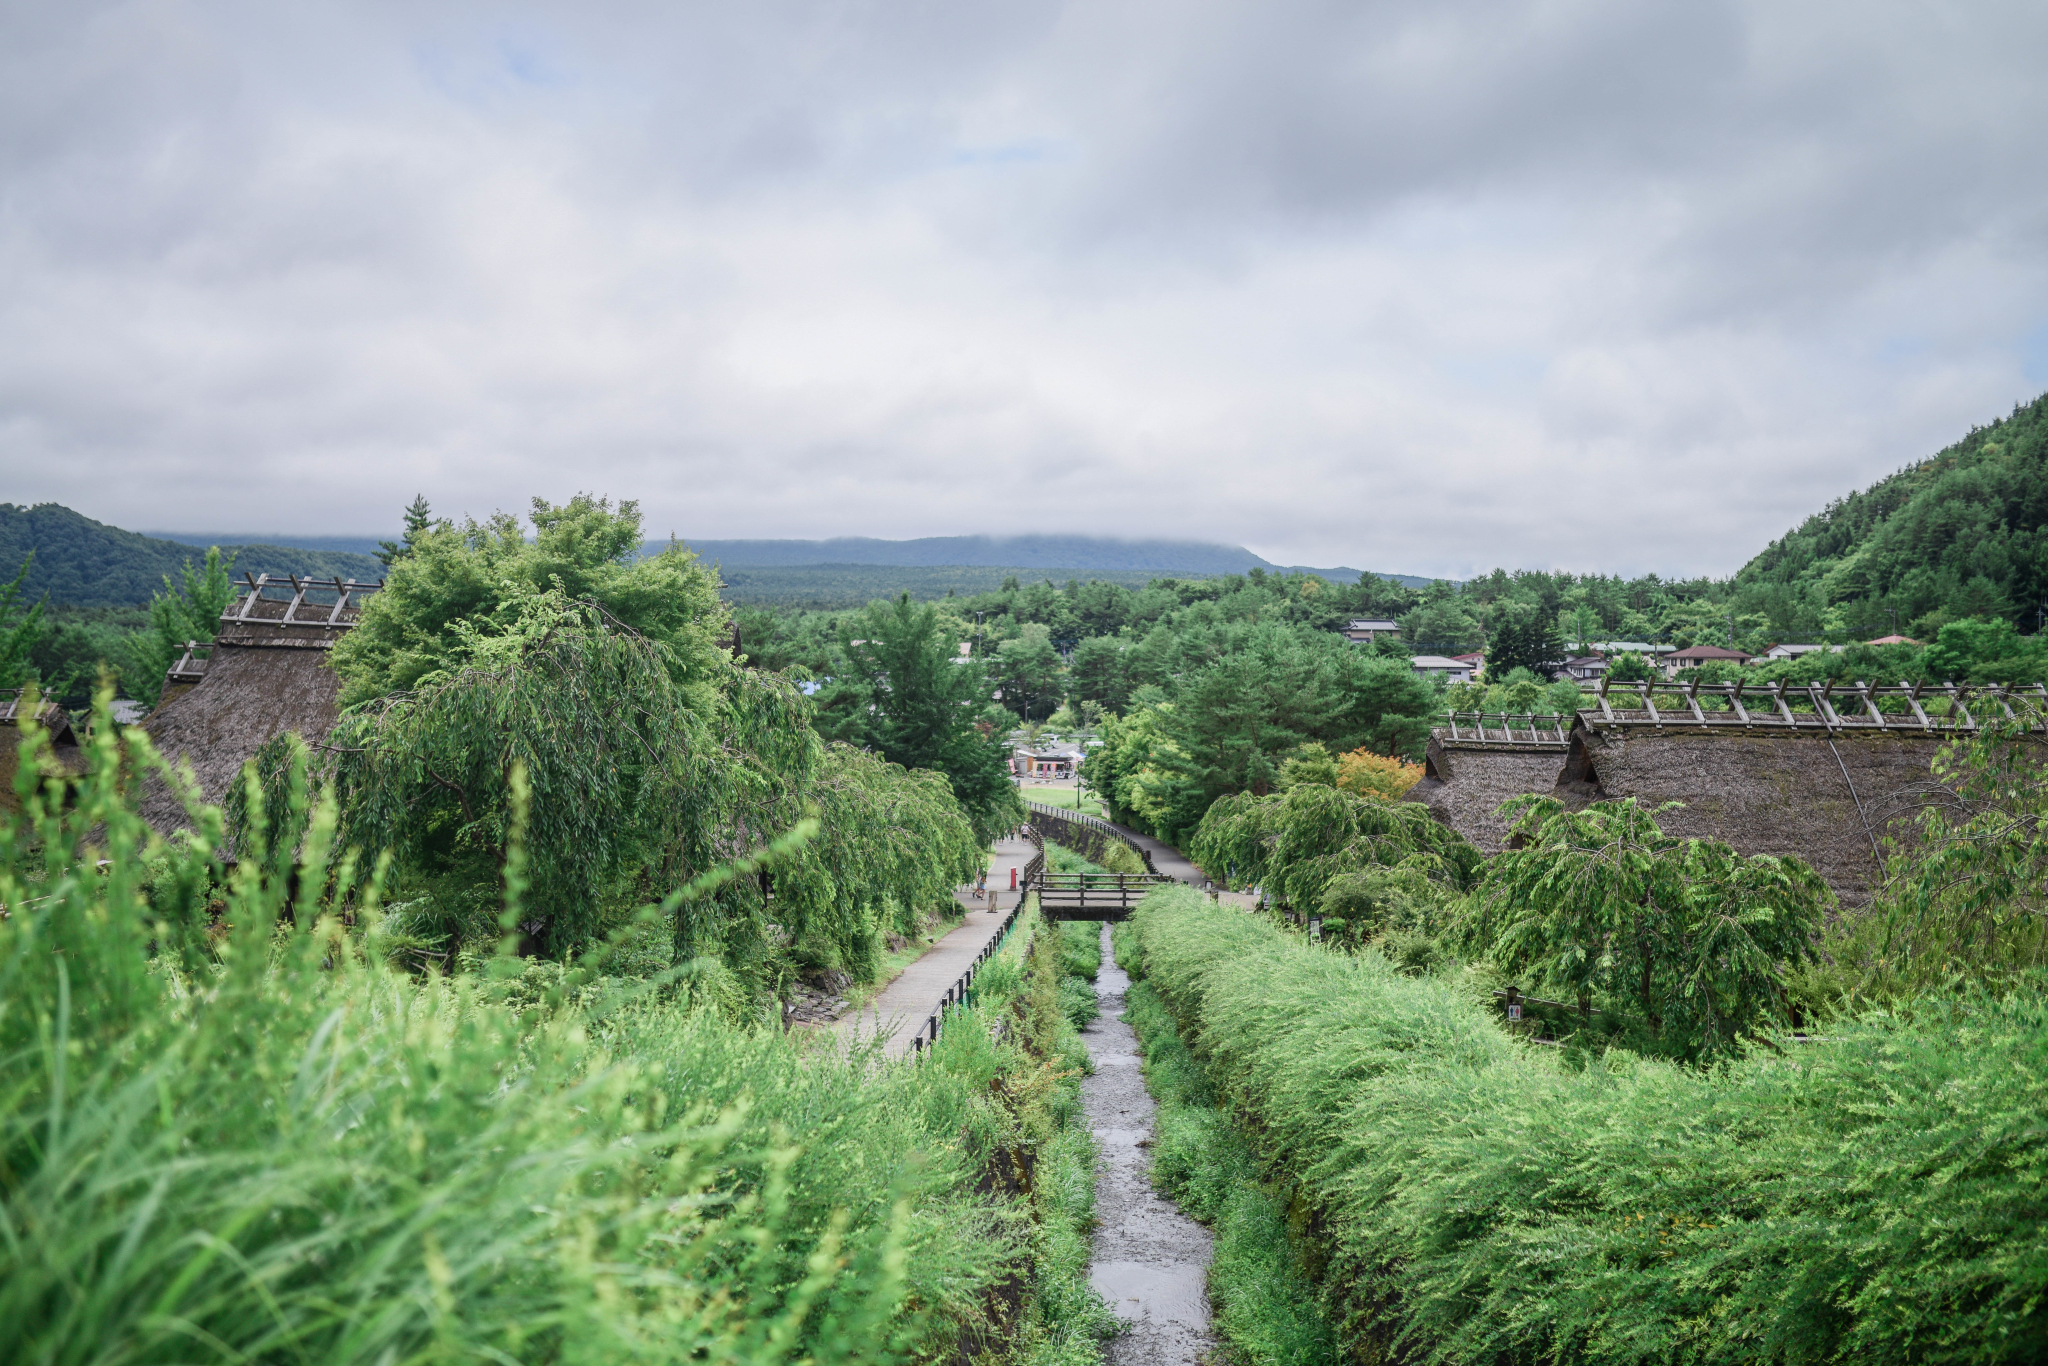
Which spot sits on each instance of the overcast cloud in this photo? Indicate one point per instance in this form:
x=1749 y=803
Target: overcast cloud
x=1423 y=287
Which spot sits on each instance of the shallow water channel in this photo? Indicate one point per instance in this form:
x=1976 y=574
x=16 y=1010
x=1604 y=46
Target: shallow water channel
x=1151 y=1261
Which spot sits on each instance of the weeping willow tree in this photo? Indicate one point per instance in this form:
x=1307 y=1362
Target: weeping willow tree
x=633 y=790
x=893 y=843
x=1294 y=843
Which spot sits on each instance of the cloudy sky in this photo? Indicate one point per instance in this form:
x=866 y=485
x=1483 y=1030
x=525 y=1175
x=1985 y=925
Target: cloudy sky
x=1425 y=286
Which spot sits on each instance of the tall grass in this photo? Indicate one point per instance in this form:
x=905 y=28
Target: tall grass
x=229 y=1132
x=1881 y=1196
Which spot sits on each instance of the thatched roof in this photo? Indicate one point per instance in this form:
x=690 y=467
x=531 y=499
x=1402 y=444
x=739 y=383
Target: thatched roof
x=1830 y=799
x=267 y=674
x=250 y=694
x=1464 y=782
x=64 y=747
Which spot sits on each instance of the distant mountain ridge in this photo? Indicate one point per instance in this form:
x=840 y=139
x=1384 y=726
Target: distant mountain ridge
x=83 y=563
x=1052 y=553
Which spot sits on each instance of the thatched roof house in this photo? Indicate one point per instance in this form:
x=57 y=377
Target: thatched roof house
x=1477 y=762
x=64 y=747
x=266 y=674
x=1824 y=775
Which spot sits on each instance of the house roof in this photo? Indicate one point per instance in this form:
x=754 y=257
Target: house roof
x=1706 y=652
x=1436 y=662
x=1463 y=783
x=1363 y=625
x=1892 y=640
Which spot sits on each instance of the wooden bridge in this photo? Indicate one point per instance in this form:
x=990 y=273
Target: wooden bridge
x=1093 y=896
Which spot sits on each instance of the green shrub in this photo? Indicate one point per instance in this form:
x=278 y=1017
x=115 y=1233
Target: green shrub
x=1880 y=1196
x=229 y=1131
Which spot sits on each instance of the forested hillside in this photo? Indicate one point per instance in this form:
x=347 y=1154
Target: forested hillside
x=1957 y=535
x=83 y=563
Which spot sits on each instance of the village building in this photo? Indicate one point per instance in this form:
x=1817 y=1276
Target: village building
x=1795 y=651
x=1438 y=666
x=1822 y=773
x=1694 y=656
x=65 y=750
x=266 y=673
x=1583 y=669
x=1364 y=632
x=1049 y=761
x=1893 y=640
x=1479 y=761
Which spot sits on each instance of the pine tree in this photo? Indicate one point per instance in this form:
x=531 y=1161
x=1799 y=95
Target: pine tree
x=419 y=520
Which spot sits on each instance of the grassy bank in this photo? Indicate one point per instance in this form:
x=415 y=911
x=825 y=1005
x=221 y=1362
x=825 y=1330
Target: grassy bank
x=1879 y=1197
x=230 y=1131
x=1266 y=1312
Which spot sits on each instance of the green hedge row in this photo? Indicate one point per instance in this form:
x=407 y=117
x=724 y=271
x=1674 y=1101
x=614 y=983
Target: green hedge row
x=1878 y=1197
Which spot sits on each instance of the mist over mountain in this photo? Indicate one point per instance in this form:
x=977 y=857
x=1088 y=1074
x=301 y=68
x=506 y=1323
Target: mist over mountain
x=1042 y=552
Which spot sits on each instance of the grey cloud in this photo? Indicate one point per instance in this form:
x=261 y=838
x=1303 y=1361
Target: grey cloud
x=1430 y=286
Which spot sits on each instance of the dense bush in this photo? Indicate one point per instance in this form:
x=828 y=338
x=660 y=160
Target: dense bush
x=1879 y=1196
x=1294 y=843
x=229 y=1132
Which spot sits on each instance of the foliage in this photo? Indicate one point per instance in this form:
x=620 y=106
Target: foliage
x=184 y=612
x=1958 y=535
x=1376 y=775
x=1687 y=934
x=1266 y=1311
x=1295 y=843
x=1310 y=763
x=21 y=626
x=1523 y=638
x=470 y=592
x=1027 y=670
x=262 y=1141
x=1372 y=904
x=83 y=563
x=893 y=843
x=419 y=520
x=908 y=695
x=1967 y=899
x=1875 y=1197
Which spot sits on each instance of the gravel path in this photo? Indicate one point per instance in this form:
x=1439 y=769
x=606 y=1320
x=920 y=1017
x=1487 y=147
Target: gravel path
x=1150 y=1261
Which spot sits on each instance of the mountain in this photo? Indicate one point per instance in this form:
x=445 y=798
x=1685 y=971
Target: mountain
x=1960 y=534
x=83 y=563
x=1062 y=554
x=345 y=545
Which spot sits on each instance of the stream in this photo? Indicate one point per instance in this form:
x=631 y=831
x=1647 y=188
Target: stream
x=1150 y=1261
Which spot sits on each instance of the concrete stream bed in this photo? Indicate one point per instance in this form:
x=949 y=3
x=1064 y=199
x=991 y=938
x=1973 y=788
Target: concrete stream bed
x=1150 y=1261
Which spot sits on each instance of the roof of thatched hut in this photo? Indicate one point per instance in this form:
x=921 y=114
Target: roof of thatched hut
x=267 y=674
x=1830 y=799
x=1465 y=779
x=1821 y=773
x=64 y=747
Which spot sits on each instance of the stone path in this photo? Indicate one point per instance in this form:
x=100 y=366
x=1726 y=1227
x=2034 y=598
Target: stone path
x=1150 y=1261
x=904 y=1007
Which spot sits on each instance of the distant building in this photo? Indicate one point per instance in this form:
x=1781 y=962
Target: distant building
x=1437 y=666
x=1049 y=761
x=1365 y=632
x=1794 y=651
x=1694 y=656
x=1608 y=649
x=1585 y=668
x=1892 y=640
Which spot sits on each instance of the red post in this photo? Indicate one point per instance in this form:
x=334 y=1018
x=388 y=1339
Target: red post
x=1013 y=879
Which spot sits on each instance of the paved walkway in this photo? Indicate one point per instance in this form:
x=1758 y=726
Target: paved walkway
x=903 y=1007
